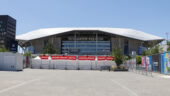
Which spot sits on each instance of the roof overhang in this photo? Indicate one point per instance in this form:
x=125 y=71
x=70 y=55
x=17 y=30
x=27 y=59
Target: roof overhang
x=130 y=33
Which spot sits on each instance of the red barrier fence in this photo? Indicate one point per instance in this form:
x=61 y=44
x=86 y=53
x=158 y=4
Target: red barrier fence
x=110 y=58
x=100 y=58
x=63 y=57
x=44 y=56
x=86 y=57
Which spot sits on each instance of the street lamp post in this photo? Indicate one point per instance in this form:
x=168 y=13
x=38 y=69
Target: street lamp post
x=167 y=35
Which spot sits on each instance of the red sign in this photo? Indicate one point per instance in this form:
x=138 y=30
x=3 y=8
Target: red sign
x=71 y=57
x=63 y=57
x=83 y=58
x=59 y=57
x=43 y=56
x=86 y=58
x=105 y=58
x=109 y=58
x=101 y=57
x=91 y=57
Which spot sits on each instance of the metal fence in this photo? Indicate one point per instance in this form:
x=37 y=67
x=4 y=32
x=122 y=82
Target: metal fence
x=156 y=62
x=139 y=69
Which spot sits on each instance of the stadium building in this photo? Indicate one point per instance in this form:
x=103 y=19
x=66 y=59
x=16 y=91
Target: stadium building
x=87 y=41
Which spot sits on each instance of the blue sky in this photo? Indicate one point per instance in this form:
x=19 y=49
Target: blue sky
x=150 y=16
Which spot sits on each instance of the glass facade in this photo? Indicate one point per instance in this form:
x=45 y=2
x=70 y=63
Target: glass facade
x=126 y=47
x=86 y=47
x=7 y=30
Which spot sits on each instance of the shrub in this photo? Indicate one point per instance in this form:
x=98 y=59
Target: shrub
x=118 y=56
x=138 y=59
x=27 y=54
x=3 y=49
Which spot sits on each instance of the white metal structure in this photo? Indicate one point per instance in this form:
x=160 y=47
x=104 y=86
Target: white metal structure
x=131 y=33
x=11 y=61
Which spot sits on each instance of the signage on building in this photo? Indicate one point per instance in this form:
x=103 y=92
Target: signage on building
x=86 y=38
x=13 y=46
x=74 y=50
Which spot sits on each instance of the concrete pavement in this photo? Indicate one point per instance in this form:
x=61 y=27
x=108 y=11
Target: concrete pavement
x=39 y=82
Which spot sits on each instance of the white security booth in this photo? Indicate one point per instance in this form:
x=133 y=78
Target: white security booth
x=41 y=62
x=36 y=63
x=11 y=61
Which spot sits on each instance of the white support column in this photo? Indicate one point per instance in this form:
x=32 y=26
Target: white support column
x=75 y=39
x=96 y=42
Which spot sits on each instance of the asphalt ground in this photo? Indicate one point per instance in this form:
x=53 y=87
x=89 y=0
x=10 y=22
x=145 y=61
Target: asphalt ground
x=40 y=82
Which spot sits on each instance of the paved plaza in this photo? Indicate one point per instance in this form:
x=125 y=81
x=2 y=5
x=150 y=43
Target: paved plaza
x=39 y=82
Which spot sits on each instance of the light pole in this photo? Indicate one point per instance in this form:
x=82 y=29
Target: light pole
x=167 y=35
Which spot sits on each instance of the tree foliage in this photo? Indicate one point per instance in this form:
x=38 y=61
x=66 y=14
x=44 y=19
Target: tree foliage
x=138 y=59
x=3 y=49
x=168 y=43
x=49 y=49
x=153 y=48
x=118 y=56
x=27 y=54
x=145 y=52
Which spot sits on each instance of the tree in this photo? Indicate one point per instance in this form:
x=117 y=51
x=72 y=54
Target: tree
x=27 y=54
x=155 y=49
x=168 y=43
x=3 y=49
x=118 y=56
x=49 y=49
x=146 y=52
x=152 y=49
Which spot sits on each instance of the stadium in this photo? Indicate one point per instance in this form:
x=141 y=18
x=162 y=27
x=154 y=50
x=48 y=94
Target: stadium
x=87 y=41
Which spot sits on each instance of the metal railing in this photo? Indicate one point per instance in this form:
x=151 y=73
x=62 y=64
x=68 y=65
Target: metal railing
x=147 y=71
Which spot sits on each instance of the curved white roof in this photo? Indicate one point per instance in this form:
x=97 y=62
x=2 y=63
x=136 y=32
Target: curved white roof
x=131 y=33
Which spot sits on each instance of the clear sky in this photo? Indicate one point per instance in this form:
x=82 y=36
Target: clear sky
x=150 y=16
